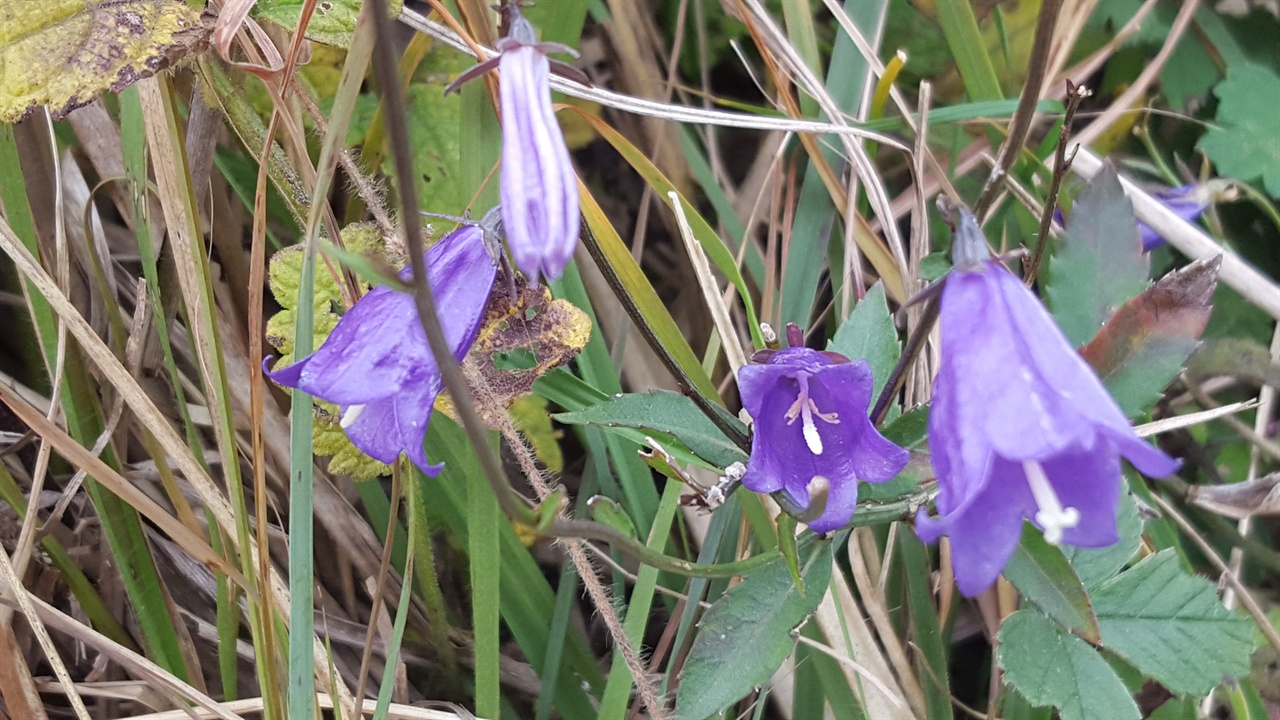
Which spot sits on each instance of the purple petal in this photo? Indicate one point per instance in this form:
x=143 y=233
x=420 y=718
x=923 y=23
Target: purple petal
x=985 y=531
x=1090 y=482
x=367 y=356
x=398 y=423
x=378 y=357
x=538 y=185
x=1187 y=202
x=842 y=446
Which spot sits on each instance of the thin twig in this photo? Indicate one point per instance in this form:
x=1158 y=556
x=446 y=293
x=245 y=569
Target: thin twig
x=1075 y=93
x=1046 y=22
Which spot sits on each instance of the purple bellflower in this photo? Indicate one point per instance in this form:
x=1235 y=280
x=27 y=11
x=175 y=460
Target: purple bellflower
x=1020 y=427
x=538 y=186
x=813 y=440
x=376 y=365
x=1187 y=202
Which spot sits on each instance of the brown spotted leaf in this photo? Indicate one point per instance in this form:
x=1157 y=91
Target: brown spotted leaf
x=1144 y=345
x=519 y=342
x=64 y=53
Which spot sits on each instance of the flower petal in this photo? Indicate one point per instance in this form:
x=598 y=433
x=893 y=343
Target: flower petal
x=985 y=532
x=538 y=185
x=398 y=423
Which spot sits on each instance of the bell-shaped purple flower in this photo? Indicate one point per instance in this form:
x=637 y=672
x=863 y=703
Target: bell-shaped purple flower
x=376 y=365
x=1187 y=202
x=1020 y=427
x=813 y=440
x=538 y=186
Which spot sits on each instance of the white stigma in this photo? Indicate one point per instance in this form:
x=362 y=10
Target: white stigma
x=350 y=416
x=1050 y=516
x=806 y=409
x=811 y=437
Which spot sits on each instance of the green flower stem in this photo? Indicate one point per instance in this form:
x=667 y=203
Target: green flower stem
x=867 y=514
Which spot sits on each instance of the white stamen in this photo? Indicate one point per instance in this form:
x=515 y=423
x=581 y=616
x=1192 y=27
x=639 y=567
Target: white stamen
x=350 y=416
x=1051 y=516
x=811 y=437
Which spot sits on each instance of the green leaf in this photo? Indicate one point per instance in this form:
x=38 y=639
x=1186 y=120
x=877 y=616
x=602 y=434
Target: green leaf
x=1099 y=263
x=1052 y=667
x=664 y=411
x=1172 y=626
x=1044 y=576
x=1244 y=143
x=1144 y=345
x=869 y=334
x=63 y=54
x=746 y=634
x=1095 y=565
x=333 y=22
x=607 y=512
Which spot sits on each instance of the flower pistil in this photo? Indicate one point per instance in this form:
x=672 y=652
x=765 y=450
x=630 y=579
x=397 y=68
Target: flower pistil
x=1050 y=514
x=806 y=409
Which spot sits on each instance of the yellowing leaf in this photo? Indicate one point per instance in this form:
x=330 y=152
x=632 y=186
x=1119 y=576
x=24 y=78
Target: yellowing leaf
x=63 y=53
x=518 y=343
x=533 y=419
x=329 y=439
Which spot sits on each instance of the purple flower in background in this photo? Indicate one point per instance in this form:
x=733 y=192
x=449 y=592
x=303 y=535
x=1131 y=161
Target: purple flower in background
x=538 y=186
x=1020 y=427
x=1187 y=202
x=376 y=365
x=813 y=441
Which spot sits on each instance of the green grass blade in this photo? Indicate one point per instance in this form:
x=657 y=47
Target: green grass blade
x=618 y=689
x=969 y=50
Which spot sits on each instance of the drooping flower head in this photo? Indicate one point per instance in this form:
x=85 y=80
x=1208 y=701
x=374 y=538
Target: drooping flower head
x=376 y=365
x=813 y=440
x=1020 y=427
x=1187 y=202
x=538 y=186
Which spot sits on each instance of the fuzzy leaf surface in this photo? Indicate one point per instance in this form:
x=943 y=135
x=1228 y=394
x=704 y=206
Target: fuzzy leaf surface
x=64 y=53
x=1172 y=626
x=664 y=411
x=1052 y=667
x=869 y=334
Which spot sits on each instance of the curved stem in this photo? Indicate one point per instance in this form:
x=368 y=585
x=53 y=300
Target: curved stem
x=867 y=514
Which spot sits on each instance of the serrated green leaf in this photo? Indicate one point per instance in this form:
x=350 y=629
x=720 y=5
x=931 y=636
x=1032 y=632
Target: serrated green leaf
x=1099 y=263
x=1244 y=143
x=1144 y=345
x=1044 y=576
x=283 y=273
x=1095 y=565
x=869 y=334
x=1050 y=666
x=746 y=634
x=664 y=411
x=1172 y=626
x=333 y=22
